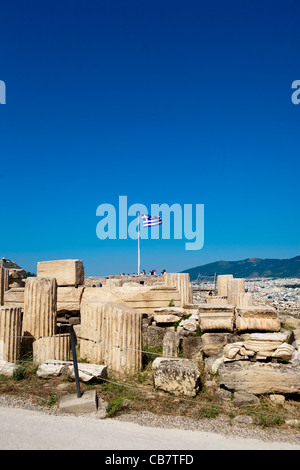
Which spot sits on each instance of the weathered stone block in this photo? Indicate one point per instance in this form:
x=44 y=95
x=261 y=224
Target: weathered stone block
x=260 y=378
x=222 y=282
x=14 y=297
x=69 y=298
x=188 y=327
x=181 y=281
x=245 y=399
x=235 y=286
x=114 y=282
x=67 y=272
x=87 y=372
x=145 y=299
x=177 y=376
x=192 y=347
x=216 y=317
x=161 y=319
x=9 y=369
x=236 y=350
x=52 y=347
x=213 y=343
x=242 y=300
x=155 y=336
x=215 y=308
x=261 y=346
x=264 y=342
x=222 y=321
x=53 y=368
x=178 y=311
x=257 y=318
x=171 y=343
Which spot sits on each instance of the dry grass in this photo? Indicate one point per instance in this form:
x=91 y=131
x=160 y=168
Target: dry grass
x=134 y=394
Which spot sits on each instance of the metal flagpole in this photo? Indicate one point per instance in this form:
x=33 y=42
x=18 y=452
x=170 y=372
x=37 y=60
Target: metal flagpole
x=139 y=259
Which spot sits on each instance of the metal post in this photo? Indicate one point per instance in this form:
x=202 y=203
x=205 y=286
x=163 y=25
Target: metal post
x=75 y=365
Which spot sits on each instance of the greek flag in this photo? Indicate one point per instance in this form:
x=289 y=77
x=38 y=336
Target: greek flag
x=151 y=221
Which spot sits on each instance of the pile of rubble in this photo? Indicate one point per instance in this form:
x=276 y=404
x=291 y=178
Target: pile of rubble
x=107 y=319
x=119 y=320
x=228 y=332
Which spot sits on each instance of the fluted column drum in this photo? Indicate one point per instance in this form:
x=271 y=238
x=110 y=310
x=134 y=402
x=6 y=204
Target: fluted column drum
x=111 y=334
x=244 y=299
x=40 y=300
x=222 y=283
x=235 y=286
x=10 y=333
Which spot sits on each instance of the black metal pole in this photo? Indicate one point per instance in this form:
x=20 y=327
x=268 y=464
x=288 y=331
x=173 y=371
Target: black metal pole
x=72 y=338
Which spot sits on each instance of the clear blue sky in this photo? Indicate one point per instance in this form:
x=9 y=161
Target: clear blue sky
x=164 y=101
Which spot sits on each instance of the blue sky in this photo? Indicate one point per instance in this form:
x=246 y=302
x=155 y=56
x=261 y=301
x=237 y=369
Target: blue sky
x=162 y=101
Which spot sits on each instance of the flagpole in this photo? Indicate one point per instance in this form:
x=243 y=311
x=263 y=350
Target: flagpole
x=139 y=259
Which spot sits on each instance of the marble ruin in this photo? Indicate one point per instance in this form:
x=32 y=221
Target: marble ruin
x=10 y=333
x=119 y=319
x=111 y=333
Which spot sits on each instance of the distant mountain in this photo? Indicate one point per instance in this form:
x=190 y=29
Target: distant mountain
x=250 y=267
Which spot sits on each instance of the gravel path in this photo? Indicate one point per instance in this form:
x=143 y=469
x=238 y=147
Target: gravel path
x=141 y=430
x=222 y=425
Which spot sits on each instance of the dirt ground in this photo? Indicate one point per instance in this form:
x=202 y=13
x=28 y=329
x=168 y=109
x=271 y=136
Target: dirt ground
x=138 y=395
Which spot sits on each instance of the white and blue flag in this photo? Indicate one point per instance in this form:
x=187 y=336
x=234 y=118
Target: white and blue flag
x=151 y=220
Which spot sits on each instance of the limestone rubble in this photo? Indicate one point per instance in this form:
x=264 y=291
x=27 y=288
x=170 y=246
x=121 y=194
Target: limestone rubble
x=247 y=329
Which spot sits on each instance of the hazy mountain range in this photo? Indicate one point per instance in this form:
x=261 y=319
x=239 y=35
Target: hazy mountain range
x=250 y=267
